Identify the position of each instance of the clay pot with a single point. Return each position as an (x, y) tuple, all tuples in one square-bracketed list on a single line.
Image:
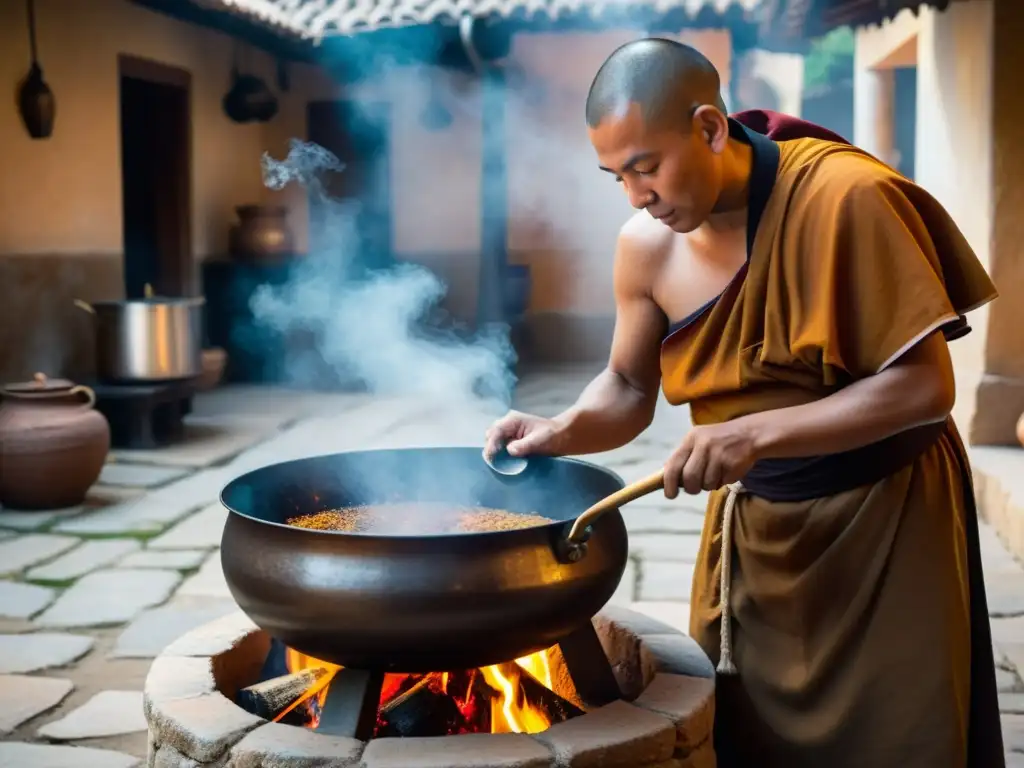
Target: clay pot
[(52, 444), (214, 361), (1020, 429), (262, 233)]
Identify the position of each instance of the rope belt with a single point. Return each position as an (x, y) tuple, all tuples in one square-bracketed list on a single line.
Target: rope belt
[(725, 662)]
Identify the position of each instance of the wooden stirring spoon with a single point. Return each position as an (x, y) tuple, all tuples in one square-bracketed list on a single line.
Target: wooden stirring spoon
[(631, 492)]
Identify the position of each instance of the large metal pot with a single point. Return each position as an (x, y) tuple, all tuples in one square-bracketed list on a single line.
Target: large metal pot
[(420, 603), (148, 340)]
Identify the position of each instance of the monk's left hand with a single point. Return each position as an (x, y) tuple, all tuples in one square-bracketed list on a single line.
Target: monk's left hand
[(709, 457)]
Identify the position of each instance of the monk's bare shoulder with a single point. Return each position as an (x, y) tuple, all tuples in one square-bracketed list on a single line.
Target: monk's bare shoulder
[(645, 241)]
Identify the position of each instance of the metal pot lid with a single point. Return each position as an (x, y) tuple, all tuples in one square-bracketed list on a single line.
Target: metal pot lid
[(40, 384)]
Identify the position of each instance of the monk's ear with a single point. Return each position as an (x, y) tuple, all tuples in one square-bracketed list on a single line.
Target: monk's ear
[(713, 127)]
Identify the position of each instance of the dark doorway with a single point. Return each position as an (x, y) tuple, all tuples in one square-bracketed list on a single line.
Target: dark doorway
[(359, 136), (156, 177), (905, 119)]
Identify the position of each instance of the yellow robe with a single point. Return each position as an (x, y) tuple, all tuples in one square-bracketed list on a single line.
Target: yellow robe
[(859, 623)]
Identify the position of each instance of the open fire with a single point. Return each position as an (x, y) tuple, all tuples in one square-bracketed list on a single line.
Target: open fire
[(514, 697)]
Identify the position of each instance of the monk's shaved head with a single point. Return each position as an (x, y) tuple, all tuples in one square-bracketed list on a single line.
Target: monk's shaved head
[(666, 79)]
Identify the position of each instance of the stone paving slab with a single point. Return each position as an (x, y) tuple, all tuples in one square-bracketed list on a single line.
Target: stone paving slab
[(84, 558), (665, 546), (201, 530), (170, 559), (153, 630), (20, 601), (155, 510), (662, 580), (110, 596), (208, 441), (23, 551), (33, 520), (140, 475), (208, 581), (20, 654), (23, 697), (20, 755), (108, 713), (642, 519), (625, 593), (675, 614)]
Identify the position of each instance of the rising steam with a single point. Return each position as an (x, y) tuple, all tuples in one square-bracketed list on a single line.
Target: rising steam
[(373, 326)]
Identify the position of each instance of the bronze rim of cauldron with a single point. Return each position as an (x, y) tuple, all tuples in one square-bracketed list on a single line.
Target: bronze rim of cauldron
[(419, 603)]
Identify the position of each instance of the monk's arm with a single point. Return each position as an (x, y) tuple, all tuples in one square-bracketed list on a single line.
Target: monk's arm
[(619, 403), (916, 389)]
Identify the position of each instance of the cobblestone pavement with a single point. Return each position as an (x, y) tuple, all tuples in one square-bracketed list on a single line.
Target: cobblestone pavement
[(89, 596)]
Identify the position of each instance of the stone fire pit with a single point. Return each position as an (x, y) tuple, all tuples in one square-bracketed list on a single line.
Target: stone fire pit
[(665, 720)]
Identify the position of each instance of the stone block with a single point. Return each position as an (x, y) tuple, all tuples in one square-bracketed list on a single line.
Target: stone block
[(676, 654), (216, 637), (167, 756), (508, 750), (689, 702), (202, 728), (285, 746), (618, 735), (177, 677), (236, 647)]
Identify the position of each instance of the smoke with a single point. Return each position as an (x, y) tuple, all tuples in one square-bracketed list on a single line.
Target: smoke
[(385, 327), (375, 326)]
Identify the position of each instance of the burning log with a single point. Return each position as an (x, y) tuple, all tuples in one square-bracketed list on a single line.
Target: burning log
[(555, 708), (427, 709), (268, 699)]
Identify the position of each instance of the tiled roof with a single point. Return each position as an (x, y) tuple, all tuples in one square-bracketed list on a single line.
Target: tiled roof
[(320, 18), (798, 19)]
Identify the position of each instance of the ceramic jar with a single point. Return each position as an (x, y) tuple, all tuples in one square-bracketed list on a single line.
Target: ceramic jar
[(52, 444), (262, 233)]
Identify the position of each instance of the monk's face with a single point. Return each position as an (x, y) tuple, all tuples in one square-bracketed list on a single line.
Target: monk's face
[(672, 172)]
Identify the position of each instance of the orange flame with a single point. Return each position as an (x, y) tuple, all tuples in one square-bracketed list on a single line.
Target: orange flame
[(511, 709)]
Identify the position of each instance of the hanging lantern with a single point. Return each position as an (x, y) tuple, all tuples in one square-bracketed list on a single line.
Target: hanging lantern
[(36, 102)]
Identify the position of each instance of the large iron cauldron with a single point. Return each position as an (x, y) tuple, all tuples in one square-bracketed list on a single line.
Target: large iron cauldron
[(419, 603)]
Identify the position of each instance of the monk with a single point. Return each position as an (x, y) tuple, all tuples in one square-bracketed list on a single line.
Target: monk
[(798, 295)]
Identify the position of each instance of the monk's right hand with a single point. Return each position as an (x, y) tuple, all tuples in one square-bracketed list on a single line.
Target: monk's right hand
[(522, 435)]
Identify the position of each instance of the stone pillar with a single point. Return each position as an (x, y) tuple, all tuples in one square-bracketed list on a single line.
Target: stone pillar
[(1001, 393), (969, 155), (954, 161), (874, 92)]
